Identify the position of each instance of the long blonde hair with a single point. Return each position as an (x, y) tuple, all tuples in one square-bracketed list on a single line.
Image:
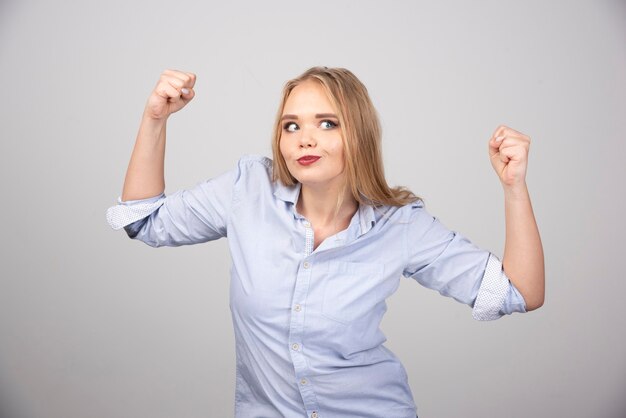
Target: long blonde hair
[(361, 135)]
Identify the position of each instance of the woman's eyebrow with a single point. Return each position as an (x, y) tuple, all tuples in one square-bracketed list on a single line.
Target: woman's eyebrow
[(317, 116)]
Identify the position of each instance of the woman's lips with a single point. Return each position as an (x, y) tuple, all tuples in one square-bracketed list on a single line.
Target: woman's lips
[(308, 159)]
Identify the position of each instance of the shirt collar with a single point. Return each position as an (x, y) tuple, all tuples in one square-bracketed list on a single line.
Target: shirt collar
[(367, 218), (287, 193)]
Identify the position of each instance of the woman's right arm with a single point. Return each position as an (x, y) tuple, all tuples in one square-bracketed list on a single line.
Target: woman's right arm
[(191, 216), (144, 176)]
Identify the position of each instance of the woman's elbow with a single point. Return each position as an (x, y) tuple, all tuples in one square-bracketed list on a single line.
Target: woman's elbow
[(534, 302)]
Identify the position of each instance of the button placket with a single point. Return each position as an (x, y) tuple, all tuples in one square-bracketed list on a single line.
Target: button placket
[(308, 238), (296, 324)]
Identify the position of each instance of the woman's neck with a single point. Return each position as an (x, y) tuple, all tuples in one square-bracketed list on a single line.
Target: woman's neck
[(319, 205)]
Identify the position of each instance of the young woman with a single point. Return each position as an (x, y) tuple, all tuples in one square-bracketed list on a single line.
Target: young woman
[(318, 241)]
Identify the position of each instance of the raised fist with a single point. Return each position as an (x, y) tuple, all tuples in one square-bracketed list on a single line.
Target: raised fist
[(172, 92)]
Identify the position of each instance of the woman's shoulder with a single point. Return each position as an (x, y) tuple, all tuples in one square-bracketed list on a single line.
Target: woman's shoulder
[(254, 175), (253, 161), (251, 167), (405, 211), (391, 216)]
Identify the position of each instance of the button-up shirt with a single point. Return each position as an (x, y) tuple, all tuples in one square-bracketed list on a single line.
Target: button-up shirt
[(306, 321)]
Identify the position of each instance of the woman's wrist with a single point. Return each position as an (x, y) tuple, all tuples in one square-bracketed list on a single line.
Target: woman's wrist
[(152, 129), (517, 192)]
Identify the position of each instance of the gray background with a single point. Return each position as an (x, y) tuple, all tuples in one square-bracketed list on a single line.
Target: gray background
[(93, 324)]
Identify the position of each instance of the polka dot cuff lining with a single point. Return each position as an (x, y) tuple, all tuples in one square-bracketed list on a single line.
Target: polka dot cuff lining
[(492, 293), (125, 213)]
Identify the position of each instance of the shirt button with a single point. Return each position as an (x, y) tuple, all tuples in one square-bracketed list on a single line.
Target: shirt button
[(303, 381), (307, 224), (297, 308), (306, 265), (314, 414), (295, 346)]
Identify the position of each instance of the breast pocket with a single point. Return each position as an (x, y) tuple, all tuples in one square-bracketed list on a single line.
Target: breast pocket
[(353, 290)]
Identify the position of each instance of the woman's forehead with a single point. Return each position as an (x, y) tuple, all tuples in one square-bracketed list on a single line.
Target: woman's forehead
[(308, 97)]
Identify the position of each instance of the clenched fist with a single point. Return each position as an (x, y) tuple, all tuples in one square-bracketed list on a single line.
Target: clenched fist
[(172, 92), (508, 150)]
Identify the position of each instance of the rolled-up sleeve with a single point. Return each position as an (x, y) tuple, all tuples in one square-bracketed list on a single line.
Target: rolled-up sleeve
[(497, 296), (446, 261), (189, 216)]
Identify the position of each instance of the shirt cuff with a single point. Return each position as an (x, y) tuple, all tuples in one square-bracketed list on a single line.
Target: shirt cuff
[(495, 289), (129, 211)]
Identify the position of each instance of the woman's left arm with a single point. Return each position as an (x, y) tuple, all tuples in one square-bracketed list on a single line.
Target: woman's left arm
[(523, 253)]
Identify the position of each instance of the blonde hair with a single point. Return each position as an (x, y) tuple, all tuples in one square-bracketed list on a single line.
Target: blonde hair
[(361, 135)]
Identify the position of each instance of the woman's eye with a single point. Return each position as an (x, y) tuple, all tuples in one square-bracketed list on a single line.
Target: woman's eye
[(328, 124), (290, 127)]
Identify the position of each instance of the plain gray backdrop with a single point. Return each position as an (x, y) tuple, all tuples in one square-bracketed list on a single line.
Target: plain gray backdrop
[(95, 325)]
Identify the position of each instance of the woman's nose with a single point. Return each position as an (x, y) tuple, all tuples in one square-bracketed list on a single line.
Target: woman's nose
[(307, 137)]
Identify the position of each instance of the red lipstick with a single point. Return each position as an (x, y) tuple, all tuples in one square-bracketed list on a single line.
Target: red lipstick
[(308, 159)]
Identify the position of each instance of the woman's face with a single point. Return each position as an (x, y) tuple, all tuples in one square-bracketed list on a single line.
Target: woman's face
[(310, 140)]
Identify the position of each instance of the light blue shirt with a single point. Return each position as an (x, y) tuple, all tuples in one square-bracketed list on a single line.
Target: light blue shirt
[(306, 322)]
